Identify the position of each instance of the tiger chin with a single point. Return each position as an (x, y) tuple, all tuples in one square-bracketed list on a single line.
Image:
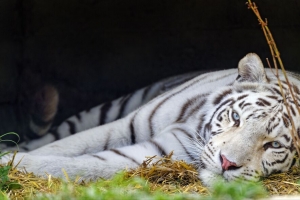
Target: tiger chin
[(230, 124)]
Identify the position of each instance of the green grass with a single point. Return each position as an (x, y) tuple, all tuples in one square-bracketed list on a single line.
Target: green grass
[(238, 190), (135, 188), (117, 188)]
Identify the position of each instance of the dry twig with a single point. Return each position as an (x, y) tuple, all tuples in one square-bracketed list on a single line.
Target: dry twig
[(276, 59)]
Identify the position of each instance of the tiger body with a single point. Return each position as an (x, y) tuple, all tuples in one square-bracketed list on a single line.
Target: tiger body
[(46, 101), (231, 123)]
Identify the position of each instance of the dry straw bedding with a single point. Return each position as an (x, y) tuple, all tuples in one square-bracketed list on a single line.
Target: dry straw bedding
[(167, 175)]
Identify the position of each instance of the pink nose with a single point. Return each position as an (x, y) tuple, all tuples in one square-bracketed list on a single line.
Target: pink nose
[(226, 163)]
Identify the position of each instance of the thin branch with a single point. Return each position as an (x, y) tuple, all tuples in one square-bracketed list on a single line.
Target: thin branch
[(277, 60)]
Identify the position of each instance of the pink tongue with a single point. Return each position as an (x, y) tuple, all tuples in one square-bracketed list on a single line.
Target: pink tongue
[(226, 163)]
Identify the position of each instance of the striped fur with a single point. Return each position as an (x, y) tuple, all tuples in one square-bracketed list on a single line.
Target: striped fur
[(228, 123), (45, 104)]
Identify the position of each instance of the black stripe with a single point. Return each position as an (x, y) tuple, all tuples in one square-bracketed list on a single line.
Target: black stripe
[(296, 89), (264, 101), (285, 122), (187, 106), (105, 147), (250, 115), (280, 152), (230, 101), (165, 100), (145, 92), (159, 147), (276, 124), (153, 113), (247, 174), (265, 169), (269, 90), (241, 104), (208, 156), (293, 111), (78, 116), (132, 131), (221, 96), (287, 138), (184, 108), (71, 127), (186, 151), (282, 85), (55, 134), (246, 104), (287, 116), (183, 131), (292, 147), (280, 161), (195, 109), (123, 104), (242, 97), (219, 117), (213, 133), (208, 161), (209, 149), (236, 177), (260, 104), (199, 127), (272, 97), (99, 157), (103, 112), (121, 154), (277, 91)]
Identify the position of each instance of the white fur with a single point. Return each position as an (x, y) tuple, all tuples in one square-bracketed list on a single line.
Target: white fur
[(82, 154)]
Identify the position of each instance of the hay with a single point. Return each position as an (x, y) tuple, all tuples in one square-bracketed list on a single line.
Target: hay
[(31, 184), (164, 174), (284, 183), (169, 175)]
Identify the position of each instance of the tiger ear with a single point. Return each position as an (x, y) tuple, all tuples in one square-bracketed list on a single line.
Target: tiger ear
[(251, 69)]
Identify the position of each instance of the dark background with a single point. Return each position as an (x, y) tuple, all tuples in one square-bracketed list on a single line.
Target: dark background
[(96, 50)]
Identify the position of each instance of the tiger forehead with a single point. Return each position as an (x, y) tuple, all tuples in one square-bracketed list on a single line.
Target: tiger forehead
[(245, 98), (242, 90)]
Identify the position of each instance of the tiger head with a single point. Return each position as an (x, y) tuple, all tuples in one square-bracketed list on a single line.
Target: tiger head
[(248, 127)]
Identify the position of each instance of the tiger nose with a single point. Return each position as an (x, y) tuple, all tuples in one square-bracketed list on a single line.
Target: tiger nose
[(226, 163)]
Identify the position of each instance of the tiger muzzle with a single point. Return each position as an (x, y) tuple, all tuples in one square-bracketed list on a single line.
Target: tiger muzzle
[(228, 165)]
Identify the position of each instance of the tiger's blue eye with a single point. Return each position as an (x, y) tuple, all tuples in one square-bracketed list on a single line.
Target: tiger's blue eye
[(275, 144), (235, 116)]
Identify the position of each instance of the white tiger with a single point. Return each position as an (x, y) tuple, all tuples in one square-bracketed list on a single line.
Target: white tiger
[(230, 124)]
